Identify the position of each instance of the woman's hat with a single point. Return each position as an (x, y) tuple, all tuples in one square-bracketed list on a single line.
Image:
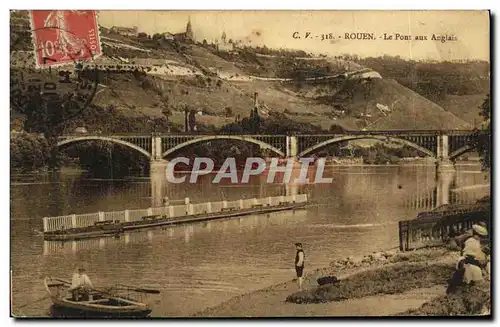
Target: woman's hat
[(482, 223), (298, 244), (480, 230)]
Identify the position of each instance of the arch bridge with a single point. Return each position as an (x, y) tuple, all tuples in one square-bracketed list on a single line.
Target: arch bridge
[(445, 146)]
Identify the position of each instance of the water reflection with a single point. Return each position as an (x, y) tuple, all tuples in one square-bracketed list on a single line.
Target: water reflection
[(203, 264), (188, 232), (58, 195)]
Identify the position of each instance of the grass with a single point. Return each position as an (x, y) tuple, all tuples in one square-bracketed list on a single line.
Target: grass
[(419, 256), (388, 280), (469, 300)]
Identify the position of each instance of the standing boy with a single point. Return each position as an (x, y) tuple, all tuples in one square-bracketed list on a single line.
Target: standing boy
[(299, 263)]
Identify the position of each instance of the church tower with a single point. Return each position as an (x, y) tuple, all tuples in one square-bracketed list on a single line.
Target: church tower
[(189, 30)]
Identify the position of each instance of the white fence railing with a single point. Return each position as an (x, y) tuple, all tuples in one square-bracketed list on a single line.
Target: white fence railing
[(51, 224)]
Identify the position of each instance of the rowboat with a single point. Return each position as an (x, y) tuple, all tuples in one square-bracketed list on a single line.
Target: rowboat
[(100, 303)]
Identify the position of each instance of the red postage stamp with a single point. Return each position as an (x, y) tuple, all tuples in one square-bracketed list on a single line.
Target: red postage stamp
[(64, 36)]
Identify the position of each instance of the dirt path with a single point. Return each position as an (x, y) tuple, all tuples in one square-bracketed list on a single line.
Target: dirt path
[(270, 302)]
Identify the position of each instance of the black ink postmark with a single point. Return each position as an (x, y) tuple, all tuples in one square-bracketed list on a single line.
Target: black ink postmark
[(55, 94)]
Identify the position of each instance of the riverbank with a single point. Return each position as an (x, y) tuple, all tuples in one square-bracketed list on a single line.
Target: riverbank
[(380, 284)]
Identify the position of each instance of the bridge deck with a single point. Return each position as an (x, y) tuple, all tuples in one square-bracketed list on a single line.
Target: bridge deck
[(350, 132)]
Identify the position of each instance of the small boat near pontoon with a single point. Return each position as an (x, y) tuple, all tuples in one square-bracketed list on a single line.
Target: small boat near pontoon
[(100, 304)]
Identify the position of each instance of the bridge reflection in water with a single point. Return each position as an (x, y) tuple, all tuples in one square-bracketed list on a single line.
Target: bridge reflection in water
[(186, 232), (447, 190), (426, 194)]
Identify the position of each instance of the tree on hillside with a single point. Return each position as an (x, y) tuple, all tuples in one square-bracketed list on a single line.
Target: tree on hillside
[(228, 112), (255, 120), (192, 120), (482, 140), (232, 128), (166, 112), (486, 127), (48, 115), (336, 129)]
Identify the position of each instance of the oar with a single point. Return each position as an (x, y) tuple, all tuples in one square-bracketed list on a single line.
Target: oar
[(127, 287), (62, 280), (140, 289), (56, 284)]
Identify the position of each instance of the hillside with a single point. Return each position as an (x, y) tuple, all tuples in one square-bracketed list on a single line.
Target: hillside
[(144, 77), (459, 87), (465, 107), (406, 109)]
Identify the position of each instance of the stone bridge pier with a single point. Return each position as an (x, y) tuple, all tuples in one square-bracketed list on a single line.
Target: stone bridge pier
[(158, 164), (292, 148), (157, 172), (443, 163), (444, 182)]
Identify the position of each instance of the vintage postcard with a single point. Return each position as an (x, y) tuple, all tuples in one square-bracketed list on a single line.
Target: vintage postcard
[(249, 163)]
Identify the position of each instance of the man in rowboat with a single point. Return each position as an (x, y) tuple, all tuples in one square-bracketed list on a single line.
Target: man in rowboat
[(80, 285)]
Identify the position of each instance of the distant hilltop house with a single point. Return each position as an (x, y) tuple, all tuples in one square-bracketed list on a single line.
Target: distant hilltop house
[(224, 45), (127, 31)]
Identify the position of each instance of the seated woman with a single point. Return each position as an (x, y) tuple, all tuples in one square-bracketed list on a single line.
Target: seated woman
[(473, 260)]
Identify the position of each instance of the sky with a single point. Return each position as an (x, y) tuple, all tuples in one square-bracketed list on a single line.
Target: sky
[(275, 29)]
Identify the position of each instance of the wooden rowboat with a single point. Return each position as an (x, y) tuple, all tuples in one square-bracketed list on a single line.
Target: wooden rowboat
[(100, 303)]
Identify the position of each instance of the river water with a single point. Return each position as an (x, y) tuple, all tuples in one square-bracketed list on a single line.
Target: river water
[(203, 264)]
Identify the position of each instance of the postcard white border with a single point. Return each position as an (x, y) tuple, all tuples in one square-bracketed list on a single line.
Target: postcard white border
[(217, 4)]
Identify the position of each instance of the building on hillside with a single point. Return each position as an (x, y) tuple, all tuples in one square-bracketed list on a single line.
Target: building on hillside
[(186, 36), (224, 45), (238, 44), (127, 31), (168, 36)]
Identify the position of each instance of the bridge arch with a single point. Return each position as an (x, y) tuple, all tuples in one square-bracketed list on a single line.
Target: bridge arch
[(249, 139), (104, 138), (360, 137), (458, 152)]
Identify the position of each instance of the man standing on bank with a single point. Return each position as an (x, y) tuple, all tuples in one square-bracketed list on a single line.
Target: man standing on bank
[(299, 263)]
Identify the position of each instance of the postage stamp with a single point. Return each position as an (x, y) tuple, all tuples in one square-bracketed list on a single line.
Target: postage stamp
[(64, 36), (250, 164)]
